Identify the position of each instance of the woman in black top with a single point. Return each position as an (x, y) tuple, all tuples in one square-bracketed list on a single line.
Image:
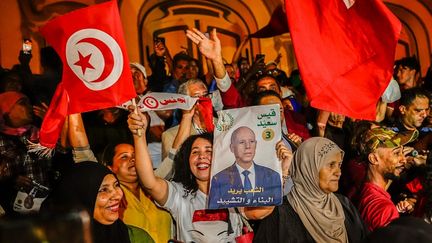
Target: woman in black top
[(312, 212)]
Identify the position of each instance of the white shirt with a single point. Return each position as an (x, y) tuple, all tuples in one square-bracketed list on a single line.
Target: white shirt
[(182, 210)]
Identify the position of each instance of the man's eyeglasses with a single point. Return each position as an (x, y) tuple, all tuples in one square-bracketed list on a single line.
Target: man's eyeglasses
[(206, 95)]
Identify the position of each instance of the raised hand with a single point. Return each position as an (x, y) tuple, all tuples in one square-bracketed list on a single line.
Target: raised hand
[(284, 155), (295, 138), (277, 60), (190, 113), (209, 47), (137, 122), (160, 49)]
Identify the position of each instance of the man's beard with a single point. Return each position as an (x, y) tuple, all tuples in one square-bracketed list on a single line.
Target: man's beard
[(183, 78), (393, 177)]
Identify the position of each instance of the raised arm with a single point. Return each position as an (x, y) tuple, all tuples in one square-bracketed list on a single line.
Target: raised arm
[(209, 76), (162, 51), (156, 187), (77, 133), (165, 169), (78, 139), (210, 48), (157, 64), (322, 119), (381, 109), (237, 53), (285, 156), (184, 128)]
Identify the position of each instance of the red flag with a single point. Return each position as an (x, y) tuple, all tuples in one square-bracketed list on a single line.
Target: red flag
[(90, 43), (276, 26), (345, 53), (54, 118), (96, 71), (205, 108)]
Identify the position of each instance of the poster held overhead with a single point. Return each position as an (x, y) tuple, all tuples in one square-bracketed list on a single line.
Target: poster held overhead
[(245, 169)]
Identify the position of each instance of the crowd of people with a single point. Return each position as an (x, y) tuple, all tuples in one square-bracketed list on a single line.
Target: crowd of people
[(145, 177)]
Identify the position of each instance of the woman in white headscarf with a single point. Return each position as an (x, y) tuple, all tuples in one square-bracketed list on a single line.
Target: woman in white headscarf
[(312, 212)]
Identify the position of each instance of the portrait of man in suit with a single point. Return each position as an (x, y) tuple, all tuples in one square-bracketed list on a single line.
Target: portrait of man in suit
[(245, 182)]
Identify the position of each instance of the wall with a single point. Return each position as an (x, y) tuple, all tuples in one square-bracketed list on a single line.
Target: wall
[(416, 36), (10, 34), (22, 18)]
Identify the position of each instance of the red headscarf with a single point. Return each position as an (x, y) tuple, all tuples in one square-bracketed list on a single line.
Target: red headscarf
[(7, 101)]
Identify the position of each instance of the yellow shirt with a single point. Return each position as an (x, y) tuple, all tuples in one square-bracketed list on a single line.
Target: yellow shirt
[(143, 213)]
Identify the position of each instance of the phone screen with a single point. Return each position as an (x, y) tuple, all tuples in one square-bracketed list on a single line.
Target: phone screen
[(27, 46)]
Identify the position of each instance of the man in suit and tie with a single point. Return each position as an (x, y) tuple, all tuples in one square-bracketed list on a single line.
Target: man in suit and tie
[(245, 183)]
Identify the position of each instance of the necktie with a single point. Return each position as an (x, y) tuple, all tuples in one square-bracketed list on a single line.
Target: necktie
[(247, 185)]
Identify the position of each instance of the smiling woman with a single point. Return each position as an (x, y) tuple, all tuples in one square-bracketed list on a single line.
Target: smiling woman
[(137, 209), (185, 197), (107, 204), (94, 187)]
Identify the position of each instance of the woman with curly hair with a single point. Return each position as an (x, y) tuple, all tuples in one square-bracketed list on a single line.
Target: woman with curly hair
[(185, 197)]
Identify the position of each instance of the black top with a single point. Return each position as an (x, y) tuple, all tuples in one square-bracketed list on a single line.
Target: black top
[(79, 187), (284, 225), (403, 229)]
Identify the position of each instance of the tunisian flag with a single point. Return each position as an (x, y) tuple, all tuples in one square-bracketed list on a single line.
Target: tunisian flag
[(96, 70), (345, 52)]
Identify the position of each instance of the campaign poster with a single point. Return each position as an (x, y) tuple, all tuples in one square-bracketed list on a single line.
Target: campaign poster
[(245, 169)]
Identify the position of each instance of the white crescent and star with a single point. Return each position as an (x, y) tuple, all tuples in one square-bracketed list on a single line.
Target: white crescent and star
[(95, 58), (349, 3)]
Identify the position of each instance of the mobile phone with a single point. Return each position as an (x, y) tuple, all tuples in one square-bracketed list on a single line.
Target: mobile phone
[(159, 39), (260, 56), (27, 46)]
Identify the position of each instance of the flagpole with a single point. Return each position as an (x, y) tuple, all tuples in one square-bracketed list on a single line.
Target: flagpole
[(136, 112)]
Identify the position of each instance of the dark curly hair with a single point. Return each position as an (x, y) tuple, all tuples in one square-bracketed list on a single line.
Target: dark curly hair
[(182, 171)]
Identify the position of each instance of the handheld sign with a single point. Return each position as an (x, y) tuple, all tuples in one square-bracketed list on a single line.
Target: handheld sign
[(245, 169)]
